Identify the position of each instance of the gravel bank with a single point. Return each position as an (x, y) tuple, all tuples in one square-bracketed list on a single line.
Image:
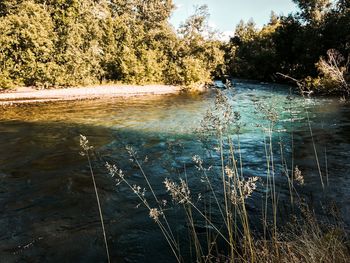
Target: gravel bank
[(31, 95)]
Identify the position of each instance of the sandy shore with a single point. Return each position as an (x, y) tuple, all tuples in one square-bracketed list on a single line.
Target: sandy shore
[(31, 95)]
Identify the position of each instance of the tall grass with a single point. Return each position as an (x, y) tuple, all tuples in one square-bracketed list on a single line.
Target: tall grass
[(84, 144), (230, 235)]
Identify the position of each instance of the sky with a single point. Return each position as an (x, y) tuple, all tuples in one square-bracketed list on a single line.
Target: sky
[(226, 14)]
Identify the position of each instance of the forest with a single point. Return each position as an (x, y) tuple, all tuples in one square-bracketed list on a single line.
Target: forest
[(67, 43), (54, 43)]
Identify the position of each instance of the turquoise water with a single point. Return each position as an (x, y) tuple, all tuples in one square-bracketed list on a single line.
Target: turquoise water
[(47, 200)]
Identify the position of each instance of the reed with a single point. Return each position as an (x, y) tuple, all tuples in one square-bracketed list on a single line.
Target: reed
[(84, 144), (222, 208)]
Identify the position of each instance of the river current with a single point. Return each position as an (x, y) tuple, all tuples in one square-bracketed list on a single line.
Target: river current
[(47, 201)]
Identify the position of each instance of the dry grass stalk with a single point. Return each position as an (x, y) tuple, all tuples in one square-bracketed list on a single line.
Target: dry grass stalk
[(303, 242), (84, 144)]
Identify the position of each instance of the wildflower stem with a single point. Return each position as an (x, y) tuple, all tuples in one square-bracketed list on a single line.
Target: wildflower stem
[(154, 195), (172, 243), (99, 206), (314, 147)]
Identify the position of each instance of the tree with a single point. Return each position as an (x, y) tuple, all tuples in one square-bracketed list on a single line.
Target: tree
[(200, 53), (313, 10), (253, 51), (27, 44), (153, 12), (334, 72), (81, 42), (294, 45)]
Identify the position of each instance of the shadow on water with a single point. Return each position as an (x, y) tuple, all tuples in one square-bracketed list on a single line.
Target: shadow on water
[(49, 210), (48, 205)]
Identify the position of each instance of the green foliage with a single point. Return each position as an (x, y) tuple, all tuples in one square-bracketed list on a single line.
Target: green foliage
[(80, 42), (194, 71), (313, 10), (5, 80), (27, 44), (200, 54), (292, 44), (334, 74), (253, 51)]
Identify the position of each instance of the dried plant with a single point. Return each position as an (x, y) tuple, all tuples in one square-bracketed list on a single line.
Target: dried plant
[(84, 144), (298, 177), (220, 117), (180, 193), (336, 69), (230, 198)]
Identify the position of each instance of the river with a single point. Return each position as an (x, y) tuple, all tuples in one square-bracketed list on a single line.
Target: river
[(47, 200)]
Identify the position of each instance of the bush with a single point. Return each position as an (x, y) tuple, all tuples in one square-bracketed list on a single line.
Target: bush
[(27, 44), (333, 75), (5, 80), (86, 42)]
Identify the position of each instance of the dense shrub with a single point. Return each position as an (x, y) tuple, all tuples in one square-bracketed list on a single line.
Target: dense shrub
[(66, 43), (294, 45)]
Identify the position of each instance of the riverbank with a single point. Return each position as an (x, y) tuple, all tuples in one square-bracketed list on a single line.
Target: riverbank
[(32, 95)]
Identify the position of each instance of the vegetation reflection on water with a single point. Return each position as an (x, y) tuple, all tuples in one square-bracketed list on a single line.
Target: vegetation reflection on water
[(46, 194)]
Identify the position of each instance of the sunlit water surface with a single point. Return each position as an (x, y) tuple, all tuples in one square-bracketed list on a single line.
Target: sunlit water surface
[(47, 201)]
